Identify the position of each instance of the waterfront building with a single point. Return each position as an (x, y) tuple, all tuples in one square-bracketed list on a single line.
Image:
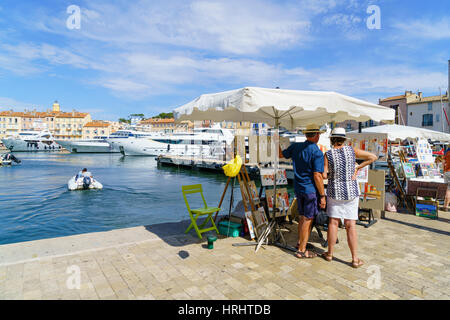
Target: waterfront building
[(97, 128), (116, 125), (412, 109), (157, 124), (10, 123), (203, 123), (400, 105), (428, 113), (62, 125), (184, 126)]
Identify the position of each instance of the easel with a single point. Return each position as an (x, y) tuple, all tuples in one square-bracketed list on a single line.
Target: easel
[(274, 227), (371, 219), (401, 190), (244, 179)]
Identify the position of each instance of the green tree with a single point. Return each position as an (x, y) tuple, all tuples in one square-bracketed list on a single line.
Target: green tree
[(164, 115)]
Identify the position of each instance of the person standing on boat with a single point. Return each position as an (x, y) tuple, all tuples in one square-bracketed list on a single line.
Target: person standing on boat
[(343, 191), (308, 165)]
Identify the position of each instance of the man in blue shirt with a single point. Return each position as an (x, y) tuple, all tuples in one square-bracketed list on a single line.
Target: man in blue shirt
[(308, 165)]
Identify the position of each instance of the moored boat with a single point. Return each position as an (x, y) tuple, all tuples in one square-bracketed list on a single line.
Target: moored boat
[(96, 145), (31, 141)]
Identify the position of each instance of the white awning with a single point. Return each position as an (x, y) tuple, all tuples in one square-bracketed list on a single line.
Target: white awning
[(398, 132), (287, 108)]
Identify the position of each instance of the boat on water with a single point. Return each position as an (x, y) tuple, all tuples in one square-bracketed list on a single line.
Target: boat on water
[(8, 159), (104, 144), (31, 141), (95, 145), (202, 142), (83, 183), (117, 139)]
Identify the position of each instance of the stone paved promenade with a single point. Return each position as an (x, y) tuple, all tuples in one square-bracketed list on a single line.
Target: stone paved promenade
[(160, 262)]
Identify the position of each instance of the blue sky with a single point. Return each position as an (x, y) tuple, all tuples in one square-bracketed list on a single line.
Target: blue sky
[(153, 56)]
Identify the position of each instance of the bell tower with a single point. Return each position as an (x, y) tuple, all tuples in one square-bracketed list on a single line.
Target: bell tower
[(56, 106)]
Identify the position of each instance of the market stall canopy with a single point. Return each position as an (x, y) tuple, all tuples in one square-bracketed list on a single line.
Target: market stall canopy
[(397, 132), (279, 107)]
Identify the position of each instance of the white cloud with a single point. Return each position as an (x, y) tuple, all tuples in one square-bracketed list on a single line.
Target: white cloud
[(7, 103), (365, 79), (149, 49), (438, 29), (29, 58), (236, 27)]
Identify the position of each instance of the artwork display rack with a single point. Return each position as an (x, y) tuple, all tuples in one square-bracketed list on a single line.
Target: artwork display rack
[(402, 193)]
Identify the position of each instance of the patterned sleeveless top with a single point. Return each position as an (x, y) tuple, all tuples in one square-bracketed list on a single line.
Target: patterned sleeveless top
[(341, 168)]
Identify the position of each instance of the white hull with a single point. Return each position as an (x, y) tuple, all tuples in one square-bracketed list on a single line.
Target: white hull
[(18, 145), (117, 139), (5, 162), (78, 185), (80, 146), (149, 147), (142, 147)]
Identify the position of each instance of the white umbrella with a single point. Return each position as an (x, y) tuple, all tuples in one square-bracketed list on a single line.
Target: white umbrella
[(398, 132), (279, 107)]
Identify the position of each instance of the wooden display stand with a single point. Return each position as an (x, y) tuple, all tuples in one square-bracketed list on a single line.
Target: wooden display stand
[(371, 201), (426, 208), (399, 186), (258, 220), (274, 229)]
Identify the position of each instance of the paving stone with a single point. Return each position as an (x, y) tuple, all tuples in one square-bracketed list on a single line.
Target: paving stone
[(412, 261)]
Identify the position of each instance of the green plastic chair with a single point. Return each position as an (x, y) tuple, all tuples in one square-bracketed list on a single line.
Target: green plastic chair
[(196, 213)]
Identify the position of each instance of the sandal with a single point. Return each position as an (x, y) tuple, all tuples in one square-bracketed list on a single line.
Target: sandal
[(357, 264), (308, 245), (327, 256), (302, 255)]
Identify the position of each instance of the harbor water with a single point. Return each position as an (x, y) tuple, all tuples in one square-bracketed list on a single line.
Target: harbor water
[(35, 202)]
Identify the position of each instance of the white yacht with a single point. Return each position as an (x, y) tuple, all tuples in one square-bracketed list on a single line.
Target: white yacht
[(95, 145), (202, 142), (118, 138), (31, 141)]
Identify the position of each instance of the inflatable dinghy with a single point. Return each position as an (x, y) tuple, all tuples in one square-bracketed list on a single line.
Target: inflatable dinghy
[(83, 183), (8, 159)]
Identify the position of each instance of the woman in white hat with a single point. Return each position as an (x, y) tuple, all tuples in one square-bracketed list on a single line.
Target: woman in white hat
[(343, 191)]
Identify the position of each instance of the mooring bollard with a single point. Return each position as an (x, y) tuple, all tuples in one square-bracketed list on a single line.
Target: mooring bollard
[(211, 240)]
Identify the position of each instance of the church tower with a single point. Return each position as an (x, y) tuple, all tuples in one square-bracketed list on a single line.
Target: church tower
[(56, 106)]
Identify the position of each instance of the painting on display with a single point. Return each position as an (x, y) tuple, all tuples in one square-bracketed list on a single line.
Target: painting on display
[(369, 191), (251, 229), (426, 210), (374, 143), (363, 175), (282, 202), (260, 220), (253, 191), (424, 152), (429, 170), (244, 192), (408, 170), (267, 177)]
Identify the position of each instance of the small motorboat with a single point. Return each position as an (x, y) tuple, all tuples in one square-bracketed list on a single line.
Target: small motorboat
[(83, 183), (8, 159)]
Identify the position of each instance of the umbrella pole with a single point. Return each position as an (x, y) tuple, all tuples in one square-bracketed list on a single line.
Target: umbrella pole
[(275, 198)]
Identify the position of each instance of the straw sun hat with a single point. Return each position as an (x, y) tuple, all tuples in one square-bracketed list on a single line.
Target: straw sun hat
[(313, 128)]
